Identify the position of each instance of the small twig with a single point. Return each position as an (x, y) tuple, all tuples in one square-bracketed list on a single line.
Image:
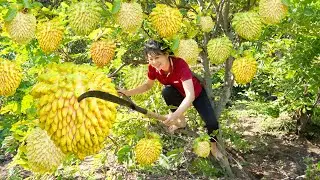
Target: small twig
[(104, 5), (114, 142), (210, 4), (117, 70), (65, 53)]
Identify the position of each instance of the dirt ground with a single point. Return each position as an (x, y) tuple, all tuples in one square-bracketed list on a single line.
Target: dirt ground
[(275, 155)]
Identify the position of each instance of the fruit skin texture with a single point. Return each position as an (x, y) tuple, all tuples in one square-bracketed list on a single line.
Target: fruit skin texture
[(272, 11), (202, 148), (206, 23), (10, 77), (130, 17), (77, 128), (166, 20), (188, 50), (244, 69), (84, 17), (148, 151), (219, 49), (248, 25), (22, 28), (49, 35), (102, 52), (42, 154)]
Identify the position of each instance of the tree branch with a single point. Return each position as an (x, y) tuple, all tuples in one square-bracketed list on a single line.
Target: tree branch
[(117, 70)]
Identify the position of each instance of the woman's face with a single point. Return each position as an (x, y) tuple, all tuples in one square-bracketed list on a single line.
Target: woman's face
[(159, 61)]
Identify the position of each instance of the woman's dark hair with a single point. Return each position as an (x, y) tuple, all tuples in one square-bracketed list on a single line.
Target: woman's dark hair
[(154, 47)]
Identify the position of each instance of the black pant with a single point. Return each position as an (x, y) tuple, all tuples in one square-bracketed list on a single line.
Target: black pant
[(202, 104)]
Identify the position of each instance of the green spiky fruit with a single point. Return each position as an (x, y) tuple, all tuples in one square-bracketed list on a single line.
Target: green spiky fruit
[(244, 69), (42, 154), (188, 50), (102, 52), (202, 149), (219, 49), (206, 23), (130, 17), (50, 35), (76, 127), (10, 77), (166, 20), (272, 11), (148, 150), (248, 25), (84, 17), (22, 28)]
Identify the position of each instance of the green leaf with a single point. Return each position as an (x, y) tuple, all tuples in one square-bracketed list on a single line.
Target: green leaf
[(116, 6), (26, 4), (11, 107), (175, 44), (285, 2), (123, 153), (308, 11), (36, 4), (12, 12), (26, 103)]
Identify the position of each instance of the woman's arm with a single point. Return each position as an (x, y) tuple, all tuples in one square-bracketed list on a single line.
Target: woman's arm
[(187, 101), (138, 90)]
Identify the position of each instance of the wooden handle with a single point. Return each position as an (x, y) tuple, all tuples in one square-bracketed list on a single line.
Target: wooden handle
[(156, 115)]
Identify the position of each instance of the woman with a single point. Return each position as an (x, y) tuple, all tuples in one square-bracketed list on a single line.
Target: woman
[(181, 90)]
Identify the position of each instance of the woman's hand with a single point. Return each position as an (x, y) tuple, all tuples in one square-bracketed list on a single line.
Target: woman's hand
[(170, 119), (122, 92)]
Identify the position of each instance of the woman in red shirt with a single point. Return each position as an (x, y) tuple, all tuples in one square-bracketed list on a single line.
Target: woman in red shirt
[(182, 89)]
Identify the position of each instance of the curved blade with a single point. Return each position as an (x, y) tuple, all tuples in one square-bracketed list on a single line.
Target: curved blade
[(112, 98)]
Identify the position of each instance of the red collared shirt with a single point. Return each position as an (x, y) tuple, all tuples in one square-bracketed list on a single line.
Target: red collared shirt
[(179, 72)]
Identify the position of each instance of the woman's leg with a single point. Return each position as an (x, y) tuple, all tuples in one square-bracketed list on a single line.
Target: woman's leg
[(173, 97), (204, 108)]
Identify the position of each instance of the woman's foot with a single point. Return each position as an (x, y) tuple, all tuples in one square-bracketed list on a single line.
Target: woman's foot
[(177, 124), (215, 151)]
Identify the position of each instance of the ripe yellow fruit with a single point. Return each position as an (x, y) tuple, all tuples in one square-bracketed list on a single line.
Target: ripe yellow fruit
[(49, 35), (248, 25), (22, 28), (130, 17), (148, 150), (272, 11), (166, 20), (42, 154), (188, 50), (244, 69), (102, 52), (74, 126), (206, 23), (202, 148), (219, 49), (84, 17), (10, 77)]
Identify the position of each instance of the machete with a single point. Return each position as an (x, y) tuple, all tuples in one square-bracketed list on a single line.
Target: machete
[(112, 98)]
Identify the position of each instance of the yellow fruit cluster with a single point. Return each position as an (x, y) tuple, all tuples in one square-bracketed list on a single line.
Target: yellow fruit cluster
[(22, 28), (84, 17), (202, 148), (102, 52), (10, 77), (219, 49), (42, 154), (49, 35), (272, 11), (166, 20), (248, 25), (244, 69), (206, 23), (148, 150), (78, 128), (188, 50), (130, 17)]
